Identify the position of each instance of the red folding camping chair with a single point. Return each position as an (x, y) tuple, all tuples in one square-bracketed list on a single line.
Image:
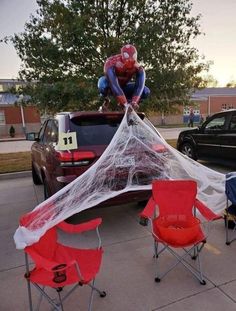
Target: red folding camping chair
[(172, 211), (57, 265)]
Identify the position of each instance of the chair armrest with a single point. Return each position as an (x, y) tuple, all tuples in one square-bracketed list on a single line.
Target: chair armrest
[(206, 212), (149, 209), (86, 226)]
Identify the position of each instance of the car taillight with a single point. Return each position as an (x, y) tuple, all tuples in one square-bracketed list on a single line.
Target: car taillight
[(75, 156), (159, 148)]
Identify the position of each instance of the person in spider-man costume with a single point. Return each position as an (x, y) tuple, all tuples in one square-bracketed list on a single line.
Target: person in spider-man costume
[(119, 70)]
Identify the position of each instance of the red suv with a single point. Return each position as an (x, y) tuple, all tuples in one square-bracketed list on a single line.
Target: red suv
[(54, 167)]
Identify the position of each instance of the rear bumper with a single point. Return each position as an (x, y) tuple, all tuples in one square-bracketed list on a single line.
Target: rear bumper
[(128, 197)]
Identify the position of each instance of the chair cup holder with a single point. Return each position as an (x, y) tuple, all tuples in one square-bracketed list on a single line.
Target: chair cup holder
[(59, 276)]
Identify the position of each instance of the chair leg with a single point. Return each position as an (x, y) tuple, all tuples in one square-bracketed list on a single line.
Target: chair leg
[(227, 229), (28, 282), (228, 239), (49, 299), (94, 288), (202, 281), (182, 260), (59, 298), (91, 295), (29, 295), (100, 292), (158, 279), (155, 249), (40, 300), (195, 253)]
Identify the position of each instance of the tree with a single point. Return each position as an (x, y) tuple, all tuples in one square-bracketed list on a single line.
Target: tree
[(209, 81), (231, 83), (64, 46)]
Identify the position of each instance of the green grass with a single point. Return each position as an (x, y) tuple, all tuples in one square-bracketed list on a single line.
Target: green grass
[(21, 161), (174, 125), (172, 142), (15, 162)]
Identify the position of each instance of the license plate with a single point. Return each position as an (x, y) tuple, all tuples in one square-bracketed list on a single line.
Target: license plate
[(125, 162)]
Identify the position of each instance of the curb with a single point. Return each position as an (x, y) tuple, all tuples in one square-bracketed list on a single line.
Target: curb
[(3, 140), (15, 175)]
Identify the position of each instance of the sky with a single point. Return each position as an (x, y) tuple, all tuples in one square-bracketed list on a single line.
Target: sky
[(218, 22)]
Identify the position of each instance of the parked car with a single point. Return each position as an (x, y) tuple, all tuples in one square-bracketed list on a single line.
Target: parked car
[(214, 139), (54, 167)]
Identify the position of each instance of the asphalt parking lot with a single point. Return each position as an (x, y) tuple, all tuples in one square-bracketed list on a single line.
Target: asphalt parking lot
[(128, 268)]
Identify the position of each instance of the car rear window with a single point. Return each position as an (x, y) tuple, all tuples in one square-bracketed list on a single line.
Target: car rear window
[(95, 130)]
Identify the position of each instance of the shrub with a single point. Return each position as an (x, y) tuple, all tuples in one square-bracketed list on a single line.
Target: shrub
[(12, 131)]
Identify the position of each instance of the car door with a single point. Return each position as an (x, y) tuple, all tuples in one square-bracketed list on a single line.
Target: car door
[(229, 139), (211, 136), (47, 157), (51, 164), (38, 149)]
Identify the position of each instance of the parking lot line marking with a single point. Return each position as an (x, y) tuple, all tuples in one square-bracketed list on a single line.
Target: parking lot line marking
[(212, 249)]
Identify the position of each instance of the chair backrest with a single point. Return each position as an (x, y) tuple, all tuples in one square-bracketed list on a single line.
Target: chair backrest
[(230, 187), (174, 197), (47, 244)]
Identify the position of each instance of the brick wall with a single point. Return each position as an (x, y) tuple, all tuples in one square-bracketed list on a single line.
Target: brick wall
[(216, 104), (13, 117), (206, 107), (170, 119), (19, 131)]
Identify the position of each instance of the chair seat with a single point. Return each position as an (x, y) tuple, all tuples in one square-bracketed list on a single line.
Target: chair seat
[(178, 230), (89, 262)]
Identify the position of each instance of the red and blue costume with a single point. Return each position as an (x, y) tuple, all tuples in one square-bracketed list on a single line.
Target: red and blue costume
[(119, 71)]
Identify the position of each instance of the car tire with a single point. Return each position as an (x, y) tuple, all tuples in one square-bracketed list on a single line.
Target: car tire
[(46, 190), (188, 150), (35, 177)]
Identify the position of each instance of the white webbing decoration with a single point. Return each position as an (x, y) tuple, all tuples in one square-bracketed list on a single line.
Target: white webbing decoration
[(136, 155)]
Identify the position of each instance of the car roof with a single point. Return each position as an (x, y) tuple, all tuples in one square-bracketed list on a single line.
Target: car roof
[(75, 114), (233, 109), (228, 110), (223, 112)]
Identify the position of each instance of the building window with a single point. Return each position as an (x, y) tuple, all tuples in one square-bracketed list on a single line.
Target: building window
[(227, 106), (223, 107), (2, 118)]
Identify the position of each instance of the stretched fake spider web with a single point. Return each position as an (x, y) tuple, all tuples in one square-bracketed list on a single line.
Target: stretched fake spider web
[(136, 155)]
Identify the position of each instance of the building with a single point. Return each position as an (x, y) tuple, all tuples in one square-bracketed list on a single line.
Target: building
[(212, 100), (24, 119), (204, 103), (12, 113)]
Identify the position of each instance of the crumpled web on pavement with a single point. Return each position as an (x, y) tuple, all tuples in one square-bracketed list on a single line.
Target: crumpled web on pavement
[(136, 155)]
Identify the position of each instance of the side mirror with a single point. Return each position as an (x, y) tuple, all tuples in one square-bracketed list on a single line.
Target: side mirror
[(32, 136)]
